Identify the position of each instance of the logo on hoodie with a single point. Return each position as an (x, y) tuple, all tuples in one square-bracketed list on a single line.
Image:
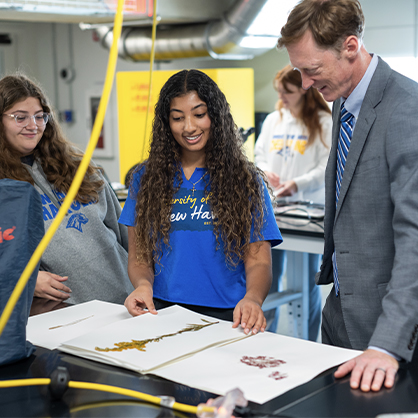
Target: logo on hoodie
[(7, 234), (76, 221)]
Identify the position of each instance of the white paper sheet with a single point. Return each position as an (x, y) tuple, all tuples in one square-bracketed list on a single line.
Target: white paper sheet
[(221, 369), (50, 329), (170, 323), (263, 366)]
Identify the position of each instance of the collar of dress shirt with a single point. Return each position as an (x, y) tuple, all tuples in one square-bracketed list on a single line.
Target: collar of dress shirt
[(355, 99)]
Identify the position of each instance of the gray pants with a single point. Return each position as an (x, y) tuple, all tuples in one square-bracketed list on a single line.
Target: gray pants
[(333, 328)]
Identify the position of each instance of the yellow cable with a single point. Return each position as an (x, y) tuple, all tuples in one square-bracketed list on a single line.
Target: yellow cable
[(113, 389), (110, 403), (104, 404), (108, 388), (151, 71), (133, 394), (72, 192), (24, 382), (78, 178)]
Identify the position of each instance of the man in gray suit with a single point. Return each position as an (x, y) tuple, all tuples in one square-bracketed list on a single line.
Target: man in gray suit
[(371, 212)]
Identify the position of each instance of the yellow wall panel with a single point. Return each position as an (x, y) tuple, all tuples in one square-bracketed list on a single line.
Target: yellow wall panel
[(132, 96)]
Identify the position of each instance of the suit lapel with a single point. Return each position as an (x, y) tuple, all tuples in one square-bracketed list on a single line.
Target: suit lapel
[(364, 123), (330, 173)]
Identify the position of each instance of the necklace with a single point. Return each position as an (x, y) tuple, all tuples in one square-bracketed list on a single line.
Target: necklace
[(193, 188)]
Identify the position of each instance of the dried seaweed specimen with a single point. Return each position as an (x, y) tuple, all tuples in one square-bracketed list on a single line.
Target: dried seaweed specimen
[(72, 323), (262, 362), (141, 344), (277, 375)]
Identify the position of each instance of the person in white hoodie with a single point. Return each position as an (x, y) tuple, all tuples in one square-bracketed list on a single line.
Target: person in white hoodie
[(292, 150), (87, 257)]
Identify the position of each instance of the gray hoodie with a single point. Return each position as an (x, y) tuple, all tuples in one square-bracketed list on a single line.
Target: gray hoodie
[(90, 246)]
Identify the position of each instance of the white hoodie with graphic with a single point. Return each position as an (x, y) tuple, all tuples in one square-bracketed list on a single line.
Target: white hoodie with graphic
[(281, 148)]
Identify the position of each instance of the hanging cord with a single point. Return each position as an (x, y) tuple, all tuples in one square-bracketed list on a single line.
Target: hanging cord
[(151, 71), (72, 192), (78, 178)]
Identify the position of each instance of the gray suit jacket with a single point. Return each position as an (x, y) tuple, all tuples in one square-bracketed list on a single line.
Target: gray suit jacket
[(375, 227)]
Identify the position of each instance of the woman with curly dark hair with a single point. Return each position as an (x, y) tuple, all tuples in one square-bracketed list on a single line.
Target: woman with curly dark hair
[(199, 216), (87, 257)]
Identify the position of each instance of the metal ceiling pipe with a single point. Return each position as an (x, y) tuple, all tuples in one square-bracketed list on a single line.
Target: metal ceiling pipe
[(219, 39)]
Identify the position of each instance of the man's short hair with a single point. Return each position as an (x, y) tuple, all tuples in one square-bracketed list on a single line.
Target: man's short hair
[(330, 22)]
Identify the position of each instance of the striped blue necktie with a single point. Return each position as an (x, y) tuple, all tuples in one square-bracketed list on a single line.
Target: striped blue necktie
[(344, 140)]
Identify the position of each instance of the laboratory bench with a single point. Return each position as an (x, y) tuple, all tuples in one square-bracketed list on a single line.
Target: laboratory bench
[(300, 237), (323, 396)]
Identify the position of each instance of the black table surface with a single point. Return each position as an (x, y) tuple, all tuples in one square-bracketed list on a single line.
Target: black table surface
[(324, 396)]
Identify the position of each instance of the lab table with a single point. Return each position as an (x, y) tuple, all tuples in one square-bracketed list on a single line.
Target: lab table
[(300, 237), (323, 396)]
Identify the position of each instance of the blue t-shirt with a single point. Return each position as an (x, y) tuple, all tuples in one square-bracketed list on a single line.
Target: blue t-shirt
[(192, 271)]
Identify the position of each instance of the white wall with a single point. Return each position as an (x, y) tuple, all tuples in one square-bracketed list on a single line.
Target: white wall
[(42, 49)]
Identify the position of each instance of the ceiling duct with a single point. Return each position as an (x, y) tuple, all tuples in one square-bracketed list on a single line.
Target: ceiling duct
[(219, 39)]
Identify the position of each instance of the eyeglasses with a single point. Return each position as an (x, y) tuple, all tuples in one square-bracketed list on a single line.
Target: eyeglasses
[(40, 119)]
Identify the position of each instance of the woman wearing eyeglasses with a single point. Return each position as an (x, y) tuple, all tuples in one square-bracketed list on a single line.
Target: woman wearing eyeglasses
[(87, 257)]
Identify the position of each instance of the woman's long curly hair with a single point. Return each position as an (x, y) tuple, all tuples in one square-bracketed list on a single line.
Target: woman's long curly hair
[(313, 102), (57, 156), (236, 187)]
